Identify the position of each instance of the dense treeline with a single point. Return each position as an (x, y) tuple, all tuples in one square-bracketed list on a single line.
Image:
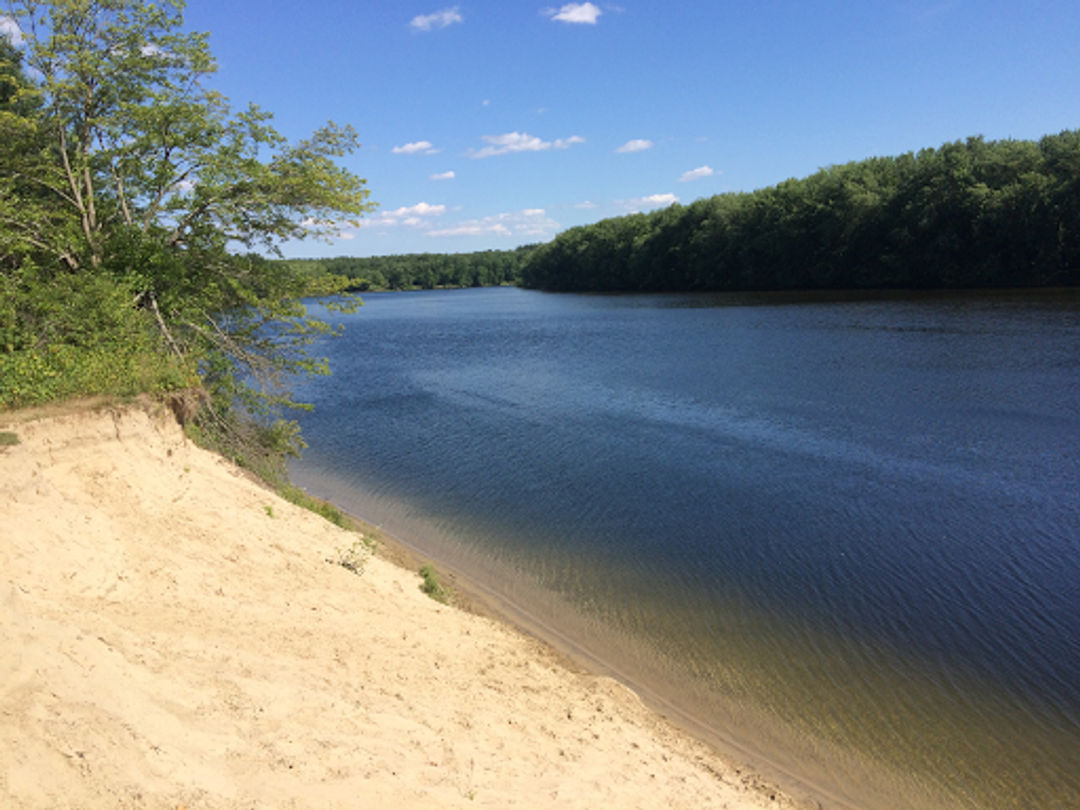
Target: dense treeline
[(485, 268), (969, 214)]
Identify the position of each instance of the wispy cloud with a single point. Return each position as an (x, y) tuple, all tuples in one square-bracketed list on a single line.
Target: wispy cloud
[(440, 19), (636, 145), (520, 142), (416, 148), (586, 205), (421, 209), (410, 216), (580, 13), (652, 201), (10, 29), (697, 174), (531, 223), (442, 176)]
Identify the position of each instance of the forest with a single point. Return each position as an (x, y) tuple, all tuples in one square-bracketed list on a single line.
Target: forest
[(972, 213), (483, 268)]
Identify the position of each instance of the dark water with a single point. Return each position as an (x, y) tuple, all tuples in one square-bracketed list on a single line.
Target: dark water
[(843, 535)]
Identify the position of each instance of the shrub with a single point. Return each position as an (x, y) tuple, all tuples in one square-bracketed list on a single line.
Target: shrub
[(352, 558), (77, 336)]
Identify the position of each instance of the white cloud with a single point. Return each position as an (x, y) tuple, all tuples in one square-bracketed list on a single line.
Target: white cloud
[(442, 176), (421, 209), (411, 216), (510, 142), (652, 201), (587, 205), (697, 174), (529, 223), (474, 227), (636, 145), (417, 147), (440, 19), (566, 143), (581, 13), (344, 235), (10, 29), (520, 142)]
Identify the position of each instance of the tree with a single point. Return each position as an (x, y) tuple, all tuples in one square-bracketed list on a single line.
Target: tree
[(128, 171), (969, 214)]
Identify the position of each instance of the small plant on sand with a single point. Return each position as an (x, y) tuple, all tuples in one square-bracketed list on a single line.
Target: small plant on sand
[(8, 439), (326, 509), (431, 585), (269, 511), (352, 558)]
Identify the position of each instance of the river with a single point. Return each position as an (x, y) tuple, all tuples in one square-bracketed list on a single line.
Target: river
[(838, 534)]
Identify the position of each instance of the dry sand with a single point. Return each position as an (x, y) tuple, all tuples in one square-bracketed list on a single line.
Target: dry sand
[(173, 635)]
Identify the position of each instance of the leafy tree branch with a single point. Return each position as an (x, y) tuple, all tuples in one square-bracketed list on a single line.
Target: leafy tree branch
[(120, 169)]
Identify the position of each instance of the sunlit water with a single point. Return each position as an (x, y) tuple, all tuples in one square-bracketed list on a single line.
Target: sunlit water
[(842, 535)]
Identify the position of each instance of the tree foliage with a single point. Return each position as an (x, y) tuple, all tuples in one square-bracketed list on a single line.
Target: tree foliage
[(132, 199), (483, 268), (969, 214)]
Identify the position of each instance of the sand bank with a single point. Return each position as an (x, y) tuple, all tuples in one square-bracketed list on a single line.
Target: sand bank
[(173, 635)]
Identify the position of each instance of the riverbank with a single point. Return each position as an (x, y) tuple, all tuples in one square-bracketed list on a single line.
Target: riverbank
[(173, 634)]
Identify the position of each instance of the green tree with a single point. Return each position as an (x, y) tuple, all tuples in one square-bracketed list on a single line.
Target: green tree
[(971, 213), (127, 172)]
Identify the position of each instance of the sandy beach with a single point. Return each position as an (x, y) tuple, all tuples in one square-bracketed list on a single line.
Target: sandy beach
[(174, 635)]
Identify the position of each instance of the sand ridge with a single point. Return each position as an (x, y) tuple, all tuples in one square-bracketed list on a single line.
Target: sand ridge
[(172, 634)]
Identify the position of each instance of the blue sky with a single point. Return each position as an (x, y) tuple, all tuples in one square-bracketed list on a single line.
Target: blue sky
[(495, 124)]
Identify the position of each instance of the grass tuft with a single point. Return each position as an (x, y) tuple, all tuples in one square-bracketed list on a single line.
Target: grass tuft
[(431, 585), (325, 509)]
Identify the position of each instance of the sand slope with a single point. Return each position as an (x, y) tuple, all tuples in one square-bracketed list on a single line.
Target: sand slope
[(171, 634)]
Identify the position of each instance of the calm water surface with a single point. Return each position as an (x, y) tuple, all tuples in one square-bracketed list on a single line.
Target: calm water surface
[(843, 536)]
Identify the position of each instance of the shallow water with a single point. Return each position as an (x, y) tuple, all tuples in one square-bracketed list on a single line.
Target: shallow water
[(843, 534)]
